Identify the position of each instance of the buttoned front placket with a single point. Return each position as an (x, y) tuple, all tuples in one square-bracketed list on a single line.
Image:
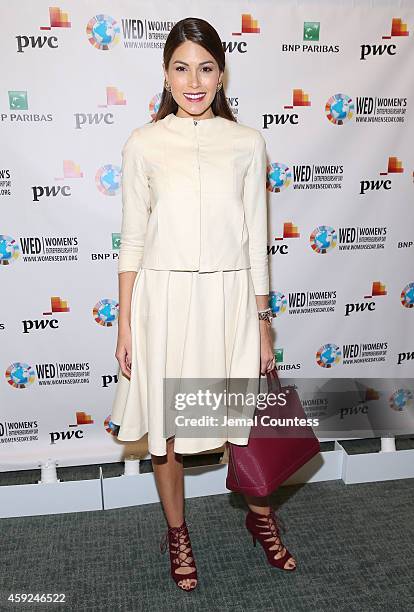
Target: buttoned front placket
[(199, 187)]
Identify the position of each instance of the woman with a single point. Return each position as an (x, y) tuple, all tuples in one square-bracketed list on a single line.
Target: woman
[(193, 271)]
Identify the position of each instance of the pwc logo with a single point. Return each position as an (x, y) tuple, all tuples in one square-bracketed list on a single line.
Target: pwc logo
[(398, 29), (73, 431), (57, 305), (47, 191), (248, 26), (289, 231), (299, 99), (384, 184), (71, 170), (114, 97), (378, 289), (109, 379), (405, 356), (58, 19)]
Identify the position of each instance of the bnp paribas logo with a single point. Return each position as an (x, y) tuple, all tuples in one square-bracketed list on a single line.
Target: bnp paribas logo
[(116, 241), (18, 100), (311, 30)]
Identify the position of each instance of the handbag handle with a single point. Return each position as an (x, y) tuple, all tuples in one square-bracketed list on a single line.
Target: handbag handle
[(273, 381)]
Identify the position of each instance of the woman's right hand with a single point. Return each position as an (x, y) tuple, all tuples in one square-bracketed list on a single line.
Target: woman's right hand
[(124, 350)]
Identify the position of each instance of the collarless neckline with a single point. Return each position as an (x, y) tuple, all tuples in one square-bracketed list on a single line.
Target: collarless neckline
[(174, 117)]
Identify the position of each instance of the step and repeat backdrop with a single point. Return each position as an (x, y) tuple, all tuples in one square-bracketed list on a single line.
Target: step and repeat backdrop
[(331, 88)]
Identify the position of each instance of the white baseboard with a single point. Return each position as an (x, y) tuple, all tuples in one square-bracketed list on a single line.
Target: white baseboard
[(123, 491), (372, 467)]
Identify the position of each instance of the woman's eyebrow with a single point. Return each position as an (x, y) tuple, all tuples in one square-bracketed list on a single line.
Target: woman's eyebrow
[(200, 64)]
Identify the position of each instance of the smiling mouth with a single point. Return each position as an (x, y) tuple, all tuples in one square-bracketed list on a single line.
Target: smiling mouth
[(194, 97)]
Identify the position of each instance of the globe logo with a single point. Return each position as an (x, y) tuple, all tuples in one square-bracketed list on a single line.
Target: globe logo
[(105, 312), (103, 32), (328, 355), (279, 177), (154, 105), (323, 239), (407, 296), (277, 302), (339, 109), (20, 375), (9, 250), (108, 179), (110, 427), (401, 399)]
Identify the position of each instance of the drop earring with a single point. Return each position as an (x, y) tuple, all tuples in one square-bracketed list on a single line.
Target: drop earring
[(167, 86)]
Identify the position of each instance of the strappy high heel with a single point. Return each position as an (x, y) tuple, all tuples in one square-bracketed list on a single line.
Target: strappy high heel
[(265, 528), (181, 555)]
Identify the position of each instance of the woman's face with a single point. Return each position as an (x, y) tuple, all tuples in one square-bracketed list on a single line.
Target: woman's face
[(193, 74)]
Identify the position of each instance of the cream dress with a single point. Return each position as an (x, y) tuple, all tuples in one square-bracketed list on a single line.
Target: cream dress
[(185, 324)]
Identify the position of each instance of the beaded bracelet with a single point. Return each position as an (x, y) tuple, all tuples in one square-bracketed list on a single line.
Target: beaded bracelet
[(266, 315)]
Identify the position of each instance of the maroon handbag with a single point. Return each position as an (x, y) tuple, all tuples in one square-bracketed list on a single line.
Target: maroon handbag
[(258, 468)]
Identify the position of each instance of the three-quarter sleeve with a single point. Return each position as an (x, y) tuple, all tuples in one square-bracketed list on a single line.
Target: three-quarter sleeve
[(255, 207), (135, 206)]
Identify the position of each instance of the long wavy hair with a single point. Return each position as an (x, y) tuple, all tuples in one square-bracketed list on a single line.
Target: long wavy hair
[(201, 32)]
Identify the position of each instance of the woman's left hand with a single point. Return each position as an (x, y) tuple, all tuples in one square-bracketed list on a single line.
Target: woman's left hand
[(267, 358)]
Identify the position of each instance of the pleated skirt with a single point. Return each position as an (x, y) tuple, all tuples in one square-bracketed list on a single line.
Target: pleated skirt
[(185, 324)]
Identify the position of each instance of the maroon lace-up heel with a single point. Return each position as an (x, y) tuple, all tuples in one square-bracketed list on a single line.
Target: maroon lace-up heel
[(265, 528), (181, 555)]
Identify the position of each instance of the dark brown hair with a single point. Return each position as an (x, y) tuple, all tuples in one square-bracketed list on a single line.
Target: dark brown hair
[(201, 32)]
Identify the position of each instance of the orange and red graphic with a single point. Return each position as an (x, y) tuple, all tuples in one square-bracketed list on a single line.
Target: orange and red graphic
[(394, 166), (371, 394), (57, 305), (249, 25), (114, 97), (82, 418), (58, 19), (289, 231), (300, 98), (70, 170), (398, 28), (378, 288)]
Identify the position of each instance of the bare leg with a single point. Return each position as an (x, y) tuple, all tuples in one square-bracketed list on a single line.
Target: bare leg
[(260, 505), (169, 478)]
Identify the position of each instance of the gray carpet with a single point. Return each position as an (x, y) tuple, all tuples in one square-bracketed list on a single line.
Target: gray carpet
[(354, 546)]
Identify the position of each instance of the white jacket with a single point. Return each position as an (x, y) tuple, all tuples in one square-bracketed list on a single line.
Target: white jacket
[(194, 198)]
